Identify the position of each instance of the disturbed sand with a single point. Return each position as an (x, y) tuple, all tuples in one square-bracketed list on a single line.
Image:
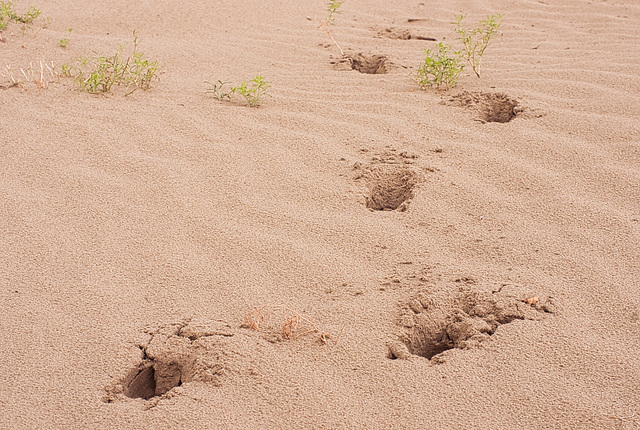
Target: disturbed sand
[(449, 271)]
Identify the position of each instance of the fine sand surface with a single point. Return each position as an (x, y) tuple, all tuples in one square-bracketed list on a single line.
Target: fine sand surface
[(138, 233)]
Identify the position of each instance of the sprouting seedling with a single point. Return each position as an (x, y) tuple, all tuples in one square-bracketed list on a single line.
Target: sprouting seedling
[(476, 40), (28, 17), (64, 42), (253, 90), (332, 8), (6, 14)]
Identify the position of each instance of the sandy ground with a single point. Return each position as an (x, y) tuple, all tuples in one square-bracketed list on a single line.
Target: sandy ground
[(138, 233)]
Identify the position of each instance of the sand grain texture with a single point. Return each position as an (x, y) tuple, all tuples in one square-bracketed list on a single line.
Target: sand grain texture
[(137, 232)]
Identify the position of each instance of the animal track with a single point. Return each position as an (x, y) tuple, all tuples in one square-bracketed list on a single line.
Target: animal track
[(402, 34), (390, 187), (369, 64), (491, 107), (435, 322), (180, 353), (390, 178)]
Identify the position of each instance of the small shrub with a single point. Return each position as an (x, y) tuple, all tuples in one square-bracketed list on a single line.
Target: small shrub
[(99, 74), (477, 39), (440, 69), (253, 91)]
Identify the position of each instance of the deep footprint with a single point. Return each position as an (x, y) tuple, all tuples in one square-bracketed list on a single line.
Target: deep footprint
[(371, 64), (435, 323), (390, 187), (180, 353), (491, 107)]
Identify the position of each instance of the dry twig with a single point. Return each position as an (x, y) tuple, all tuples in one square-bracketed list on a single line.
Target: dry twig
[(41, 78), (293, 324)]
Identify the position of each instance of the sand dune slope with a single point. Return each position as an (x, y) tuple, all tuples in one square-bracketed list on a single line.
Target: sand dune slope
[(498, 288)]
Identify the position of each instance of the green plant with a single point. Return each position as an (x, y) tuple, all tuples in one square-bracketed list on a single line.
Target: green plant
[(8, 14), (64, 42), (440, 69), (476, 40), (100, 74), (28, 17), (332, 8), (252, 90)]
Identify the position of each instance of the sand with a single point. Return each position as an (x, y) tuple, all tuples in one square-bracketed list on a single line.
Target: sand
[(497, 288)]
